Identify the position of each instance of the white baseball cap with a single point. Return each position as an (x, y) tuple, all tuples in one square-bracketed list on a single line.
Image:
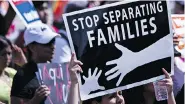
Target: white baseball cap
[(40, 33)]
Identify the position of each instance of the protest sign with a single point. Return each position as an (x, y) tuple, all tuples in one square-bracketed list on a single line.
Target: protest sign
[(178, 21), (56, 77), (26, 11), (121, 45)]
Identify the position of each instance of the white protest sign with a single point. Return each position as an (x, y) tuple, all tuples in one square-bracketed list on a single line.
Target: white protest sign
[(26, 11), (121, 45)]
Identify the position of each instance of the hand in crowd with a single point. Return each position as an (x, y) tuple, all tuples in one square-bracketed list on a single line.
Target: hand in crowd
[(74, 67), (40, 93), (167, 81), (18, 56)]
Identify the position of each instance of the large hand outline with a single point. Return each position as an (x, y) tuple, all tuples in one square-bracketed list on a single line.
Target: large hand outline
[(91, 82), (131, 60), (123, 59)]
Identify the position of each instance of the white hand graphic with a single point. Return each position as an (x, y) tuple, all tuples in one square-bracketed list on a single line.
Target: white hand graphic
[(91, 83), (131, 60), (121, 68)]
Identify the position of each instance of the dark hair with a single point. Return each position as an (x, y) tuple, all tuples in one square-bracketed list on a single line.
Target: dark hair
[(38, 4), (4, 42), (137, 94), (99, 99), (28, 54), (89, 101)]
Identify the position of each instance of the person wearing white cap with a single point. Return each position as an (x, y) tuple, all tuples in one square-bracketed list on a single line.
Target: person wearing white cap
[(40, 43)]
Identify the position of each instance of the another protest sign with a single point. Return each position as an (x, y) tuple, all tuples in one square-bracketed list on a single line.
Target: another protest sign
[(26, 11), (121, 45), (56, 77), (178, 21)]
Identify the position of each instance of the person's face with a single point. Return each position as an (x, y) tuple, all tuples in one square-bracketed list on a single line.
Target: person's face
[(43, 12), (43, 52), (115, 98), (5, 56)]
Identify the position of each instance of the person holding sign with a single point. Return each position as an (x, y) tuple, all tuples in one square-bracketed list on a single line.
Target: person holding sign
[(40, 43), (145, 94), (115, 98), (148, 94), (164, 82)]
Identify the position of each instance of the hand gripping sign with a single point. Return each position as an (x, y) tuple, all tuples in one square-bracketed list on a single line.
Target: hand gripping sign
[(56, 77), (26, 11)]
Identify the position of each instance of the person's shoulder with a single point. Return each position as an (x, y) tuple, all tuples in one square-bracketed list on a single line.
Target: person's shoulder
[(24, 81), (60, 41), (28, 68), (11, 72)]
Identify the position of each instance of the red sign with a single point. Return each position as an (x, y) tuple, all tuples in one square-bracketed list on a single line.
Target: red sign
[(17, 2)]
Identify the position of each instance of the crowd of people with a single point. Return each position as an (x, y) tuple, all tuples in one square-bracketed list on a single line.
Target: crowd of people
[(18, 63)]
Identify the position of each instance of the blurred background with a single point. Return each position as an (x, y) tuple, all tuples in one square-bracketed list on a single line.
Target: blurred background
[(51, 13)]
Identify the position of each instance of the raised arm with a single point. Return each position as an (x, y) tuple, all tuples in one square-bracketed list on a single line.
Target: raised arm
[(74, 67), (169, 84)]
